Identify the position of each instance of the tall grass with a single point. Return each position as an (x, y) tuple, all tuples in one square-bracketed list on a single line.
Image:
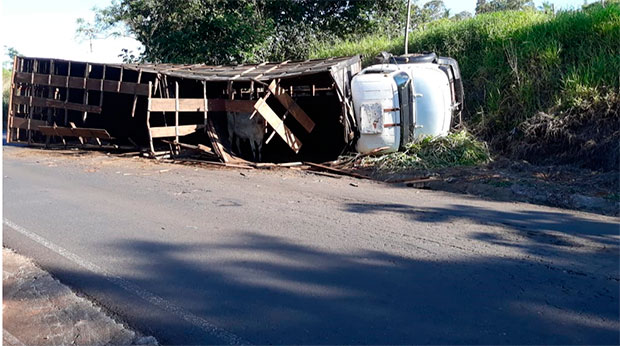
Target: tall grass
[(517, 63)]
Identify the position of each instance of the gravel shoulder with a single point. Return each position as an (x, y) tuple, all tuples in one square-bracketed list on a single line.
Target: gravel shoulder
[(39, 310)]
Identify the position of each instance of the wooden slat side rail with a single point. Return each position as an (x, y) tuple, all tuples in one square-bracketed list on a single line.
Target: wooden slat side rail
[(170, 131), (292, 107), (25, 124), (45, 102), (278, 125), (78, 83), (75, 132), (198, 105)]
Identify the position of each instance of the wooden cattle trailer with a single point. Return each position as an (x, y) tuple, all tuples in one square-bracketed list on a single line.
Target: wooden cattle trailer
[(306, 104)]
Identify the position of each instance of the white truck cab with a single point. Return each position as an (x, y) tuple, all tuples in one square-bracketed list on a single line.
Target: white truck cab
[(396, 103)]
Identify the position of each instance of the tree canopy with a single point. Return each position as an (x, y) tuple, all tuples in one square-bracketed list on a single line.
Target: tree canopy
[(223, 31)]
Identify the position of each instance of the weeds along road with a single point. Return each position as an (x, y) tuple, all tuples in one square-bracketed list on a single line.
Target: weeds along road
[(196, 256)]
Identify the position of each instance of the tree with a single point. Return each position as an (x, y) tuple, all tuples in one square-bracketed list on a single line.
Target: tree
[(11, 53), (433, 10), (223, 31), (481, 6), (503, 5), (547, 7), (462, 15)]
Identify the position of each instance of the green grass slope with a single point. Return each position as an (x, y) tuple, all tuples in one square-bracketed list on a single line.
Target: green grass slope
[(538, 86)]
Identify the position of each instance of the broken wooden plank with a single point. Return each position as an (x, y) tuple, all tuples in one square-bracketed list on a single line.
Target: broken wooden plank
[(205, 149), (336, 170), (277, 124), (291, 106), (218, 148), (412, 180), (170, 131)]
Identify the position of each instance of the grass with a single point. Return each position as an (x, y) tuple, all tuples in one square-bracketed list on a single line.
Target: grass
[(456, 149), (6, 87), (515, 64)]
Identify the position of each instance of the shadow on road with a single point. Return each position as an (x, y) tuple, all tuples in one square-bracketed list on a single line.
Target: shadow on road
[(270, 290)]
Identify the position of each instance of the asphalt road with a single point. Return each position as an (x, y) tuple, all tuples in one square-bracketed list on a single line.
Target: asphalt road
[(196, 256)]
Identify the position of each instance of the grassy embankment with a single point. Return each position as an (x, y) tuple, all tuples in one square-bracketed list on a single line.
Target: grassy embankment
[(538, 86)]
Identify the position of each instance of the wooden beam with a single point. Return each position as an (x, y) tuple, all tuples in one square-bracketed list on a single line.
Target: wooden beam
[(277, 124), (291, 106)]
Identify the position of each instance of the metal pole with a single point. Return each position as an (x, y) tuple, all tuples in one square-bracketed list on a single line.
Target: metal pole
[(407, 27)]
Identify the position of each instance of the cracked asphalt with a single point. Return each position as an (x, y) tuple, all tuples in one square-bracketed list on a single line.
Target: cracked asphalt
[(195, 255)]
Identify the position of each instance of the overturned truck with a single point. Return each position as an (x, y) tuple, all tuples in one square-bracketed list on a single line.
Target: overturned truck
[(277, 112)]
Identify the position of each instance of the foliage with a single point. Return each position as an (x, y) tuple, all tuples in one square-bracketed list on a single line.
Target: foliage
[(456, 149), (503, 5), (10, 53), (223, 31)]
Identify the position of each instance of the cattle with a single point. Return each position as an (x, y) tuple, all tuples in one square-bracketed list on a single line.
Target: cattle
[(245, 127)]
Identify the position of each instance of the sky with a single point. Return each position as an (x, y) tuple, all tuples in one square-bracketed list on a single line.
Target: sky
[(46, 28)]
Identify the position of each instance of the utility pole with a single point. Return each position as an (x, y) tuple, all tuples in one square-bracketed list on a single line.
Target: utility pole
[(407, 27)]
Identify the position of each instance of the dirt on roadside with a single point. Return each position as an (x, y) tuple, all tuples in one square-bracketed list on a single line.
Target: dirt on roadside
[(506, 180), (565, 186)]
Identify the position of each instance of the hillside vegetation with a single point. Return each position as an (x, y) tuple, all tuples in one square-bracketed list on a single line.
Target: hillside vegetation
[(538, 86)]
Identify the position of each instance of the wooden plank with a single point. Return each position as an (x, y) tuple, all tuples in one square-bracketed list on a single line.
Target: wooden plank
[(291, 106), (91, 133), (243, 106), (75, 132), (169, 131), (78, 83), (45, 102), (26, 124), (161, 105), (198, 105), (56, 131), (278, 125)]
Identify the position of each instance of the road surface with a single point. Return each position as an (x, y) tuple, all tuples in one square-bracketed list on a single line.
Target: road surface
[(201, 256)]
